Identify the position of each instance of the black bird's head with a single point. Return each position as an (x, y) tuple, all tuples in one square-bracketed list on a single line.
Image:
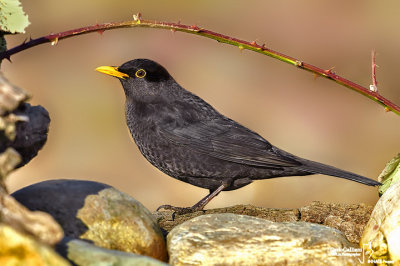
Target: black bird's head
[(143, 80)]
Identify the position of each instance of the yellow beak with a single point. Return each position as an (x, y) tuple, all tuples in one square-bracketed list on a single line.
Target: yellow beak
[(112, 71)]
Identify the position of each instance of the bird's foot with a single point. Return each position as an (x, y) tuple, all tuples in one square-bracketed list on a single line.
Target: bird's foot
[(179, 210)]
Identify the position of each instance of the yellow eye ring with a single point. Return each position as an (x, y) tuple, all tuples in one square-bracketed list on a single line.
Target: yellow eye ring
[(141, 73)]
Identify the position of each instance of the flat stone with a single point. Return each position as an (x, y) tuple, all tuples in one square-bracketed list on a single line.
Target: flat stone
[(168, 220), (20, 249), (230, 239), (348, 218), (83, 253)]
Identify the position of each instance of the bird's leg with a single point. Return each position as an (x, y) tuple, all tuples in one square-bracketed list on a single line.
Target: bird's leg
[(199, 205)]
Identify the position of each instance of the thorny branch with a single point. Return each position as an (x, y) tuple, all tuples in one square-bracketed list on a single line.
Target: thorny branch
[(241, 44)]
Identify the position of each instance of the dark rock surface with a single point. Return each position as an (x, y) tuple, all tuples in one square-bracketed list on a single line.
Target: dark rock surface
[(62, 199)]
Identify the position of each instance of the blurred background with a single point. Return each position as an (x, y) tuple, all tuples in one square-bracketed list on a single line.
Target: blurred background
[(312, 118)]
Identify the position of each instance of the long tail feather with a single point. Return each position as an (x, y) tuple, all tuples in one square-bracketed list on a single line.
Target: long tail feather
[(319, 168)]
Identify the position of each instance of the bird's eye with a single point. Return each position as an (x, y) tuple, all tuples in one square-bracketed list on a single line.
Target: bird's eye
[(141, 73)]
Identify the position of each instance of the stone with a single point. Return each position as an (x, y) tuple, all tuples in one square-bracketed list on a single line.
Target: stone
[(9, 160), (31, 129), (231, 239), (10, 96), (117, 221), (20, 249), (83, 253), (61, 199), (381, 237), (348, 218), (98, 213), (168, 220), (35, 223)]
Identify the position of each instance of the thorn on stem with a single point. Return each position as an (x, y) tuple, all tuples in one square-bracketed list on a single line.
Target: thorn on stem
[(329, 72), (298, 63), (241, 48), (387, 109), (374, 86), (137, 18), (254, 43), (194, 27), (8, 58), (100, 32), (262, 47), (54, 41)]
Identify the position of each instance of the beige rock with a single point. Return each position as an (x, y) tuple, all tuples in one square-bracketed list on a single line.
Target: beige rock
[(9, 159), (381, 237), (20, 249), (10, 95), (348, 218), (117, 221), (167, 222), (83, 253), (229, 239)]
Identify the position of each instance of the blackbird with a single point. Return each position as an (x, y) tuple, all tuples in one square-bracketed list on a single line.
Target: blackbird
[(188, 139)]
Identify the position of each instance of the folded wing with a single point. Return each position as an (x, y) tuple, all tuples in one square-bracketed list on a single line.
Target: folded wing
[(227, 140)]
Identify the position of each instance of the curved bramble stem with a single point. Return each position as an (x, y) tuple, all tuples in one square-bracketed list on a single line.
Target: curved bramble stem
[(241, 44)]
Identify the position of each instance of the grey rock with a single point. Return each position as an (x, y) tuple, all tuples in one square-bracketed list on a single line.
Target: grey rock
[(82, 253), (230, 239)]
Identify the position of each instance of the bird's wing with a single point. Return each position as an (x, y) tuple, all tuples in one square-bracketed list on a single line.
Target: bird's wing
[(226, 140)]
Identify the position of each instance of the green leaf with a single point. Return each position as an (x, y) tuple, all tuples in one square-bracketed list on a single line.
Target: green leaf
[(390, 175), (12, 17)]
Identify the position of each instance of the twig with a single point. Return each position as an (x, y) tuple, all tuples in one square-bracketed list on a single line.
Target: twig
[(241, 44)]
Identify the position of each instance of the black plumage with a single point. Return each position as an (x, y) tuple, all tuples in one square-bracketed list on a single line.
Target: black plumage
[(186, 138)]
